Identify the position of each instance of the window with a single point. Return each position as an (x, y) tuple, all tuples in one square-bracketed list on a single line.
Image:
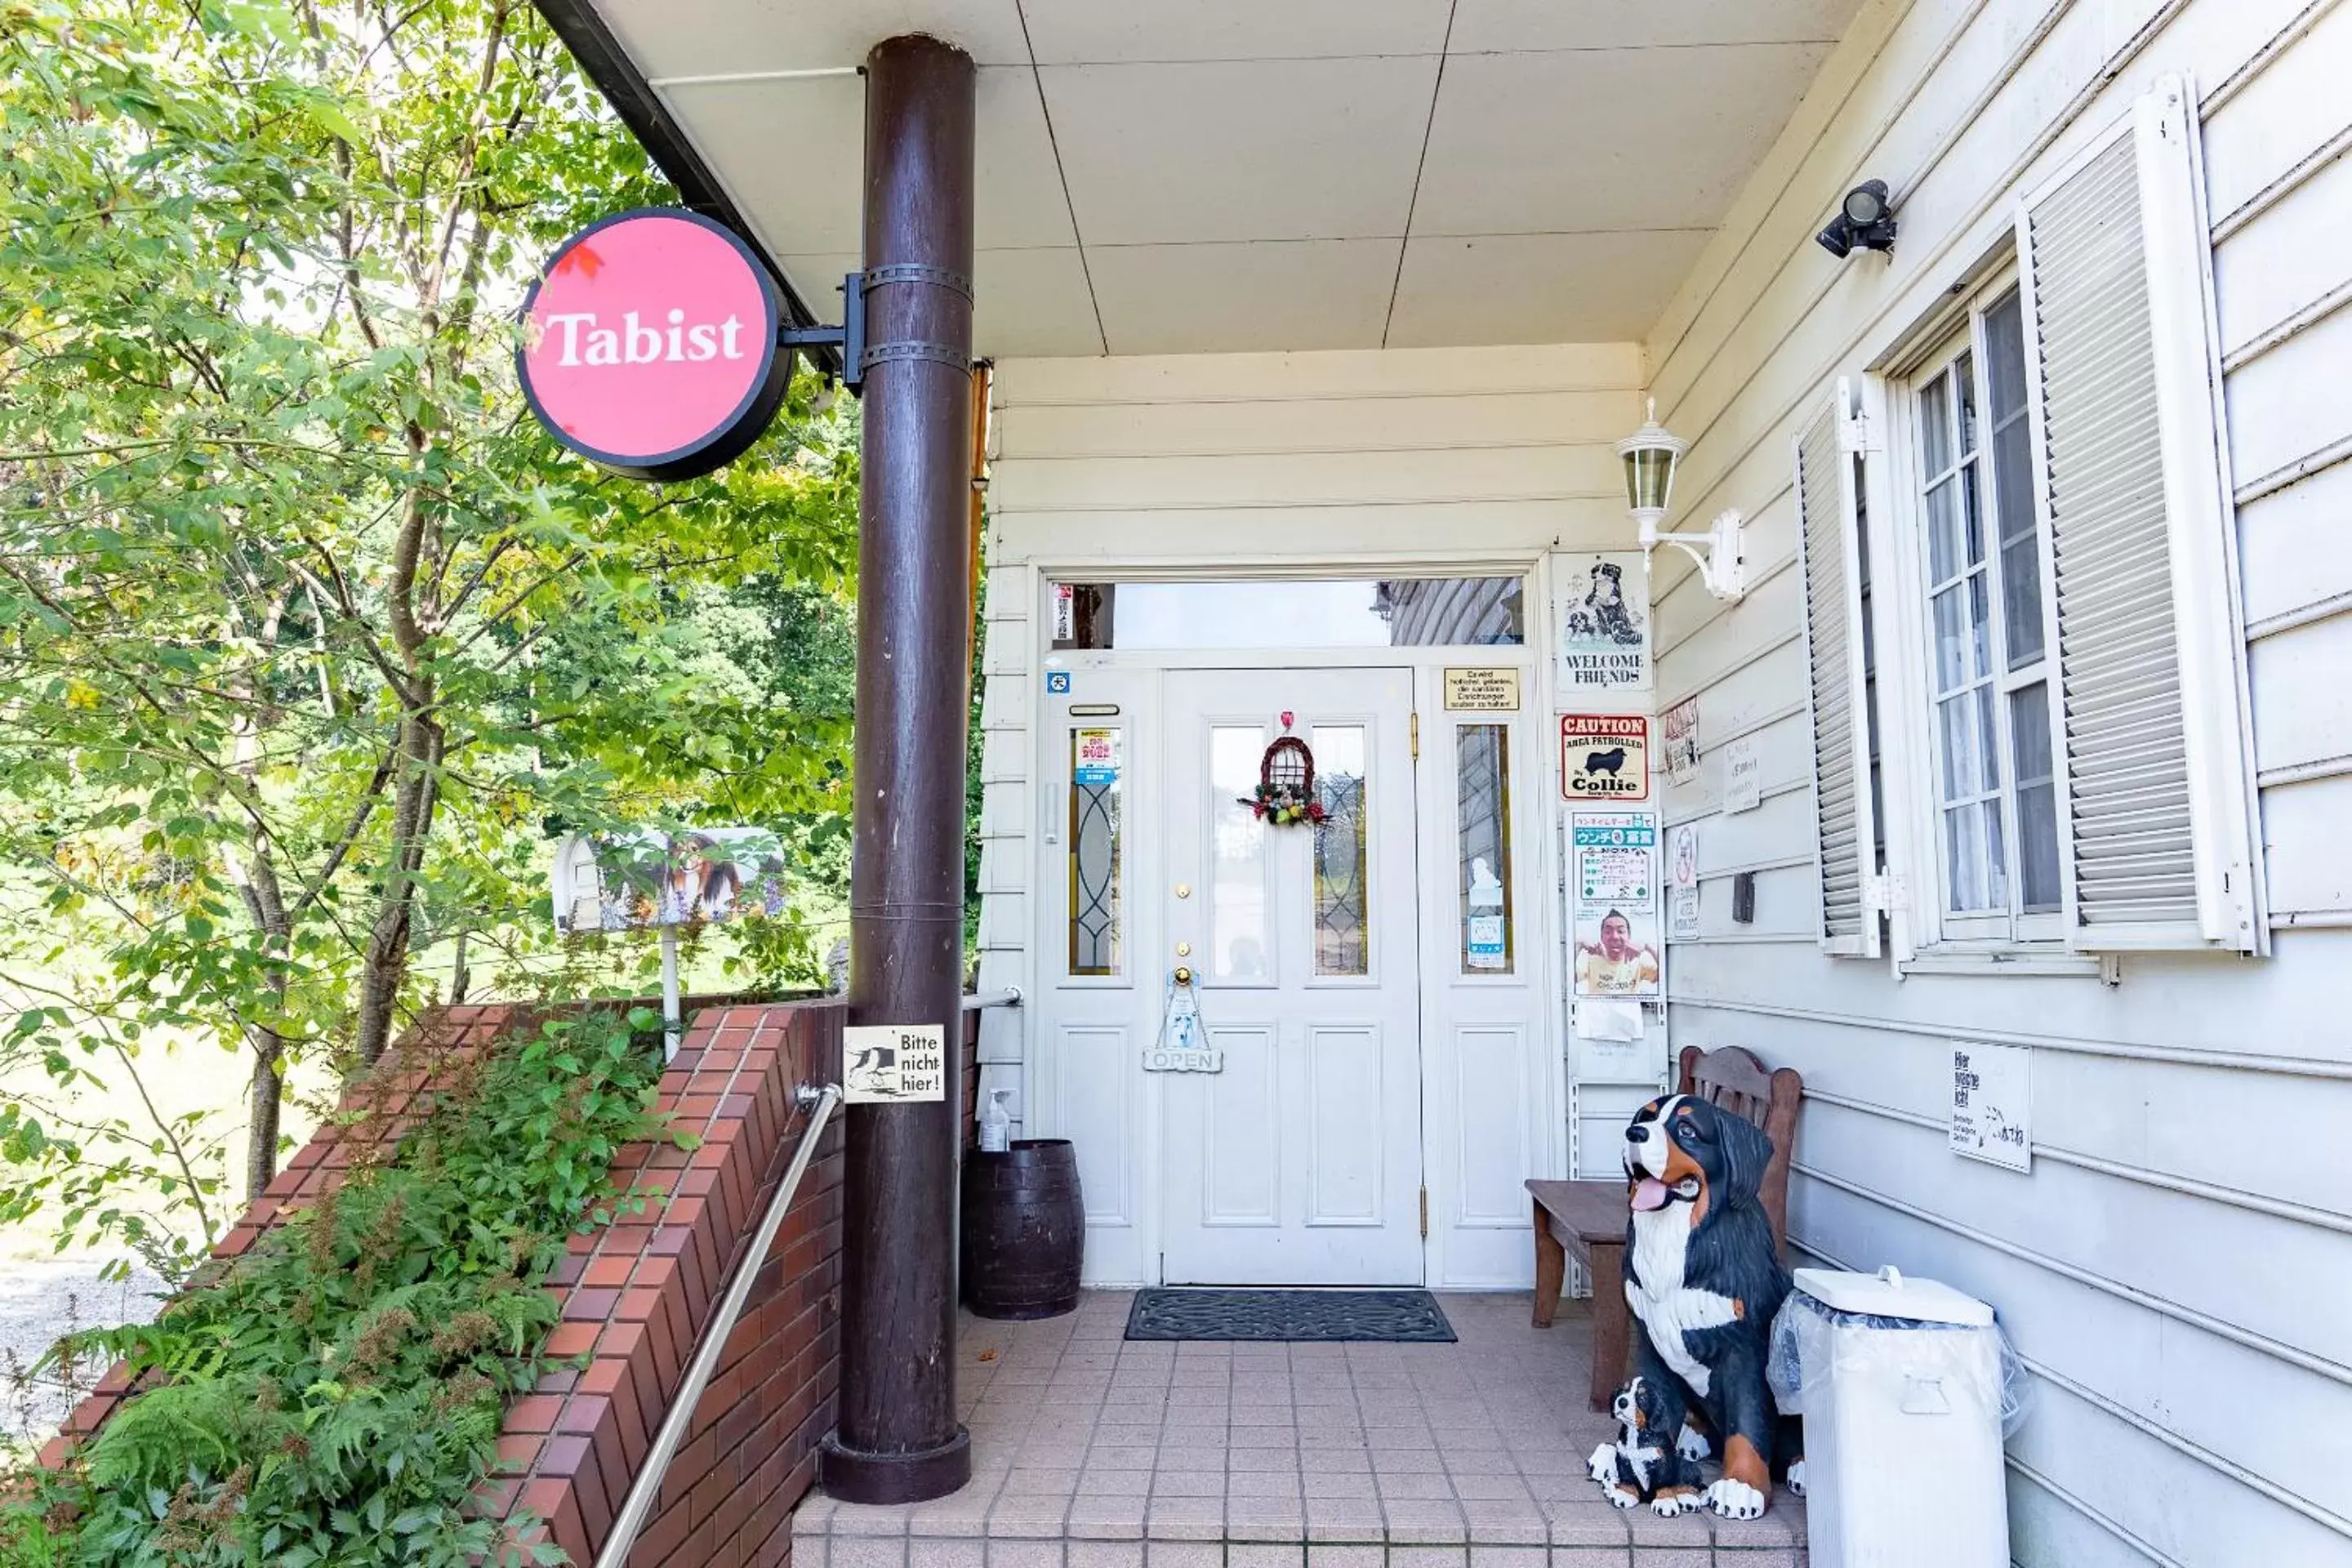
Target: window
[(1409, 612), (2041, 588), (1989, 682)]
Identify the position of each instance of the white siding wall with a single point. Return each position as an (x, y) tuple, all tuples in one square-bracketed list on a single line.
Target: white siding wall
[(1420, 457), (2176, 1266)]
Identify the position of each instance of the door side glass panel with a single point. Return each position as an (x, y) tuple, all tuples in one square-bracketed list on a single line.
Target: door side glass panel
[(1342, 847), (1482, 789)]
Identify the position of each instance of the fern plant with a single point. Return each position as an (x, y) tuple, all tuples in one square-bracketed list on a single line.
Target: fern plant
[(335, 1397)]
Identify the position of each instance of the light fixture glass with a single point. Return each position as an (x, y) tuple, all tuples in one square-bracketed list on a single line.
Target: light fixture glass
[(1650, 456)]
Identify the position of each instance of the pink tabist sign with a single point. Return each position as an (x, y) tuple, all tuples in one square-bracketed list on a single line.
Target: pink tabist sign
[(649, 345)]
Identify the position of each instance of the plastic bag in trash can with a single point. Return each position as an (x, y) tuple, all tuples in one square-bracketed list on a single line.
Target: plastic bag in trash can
[(1800, 1343)]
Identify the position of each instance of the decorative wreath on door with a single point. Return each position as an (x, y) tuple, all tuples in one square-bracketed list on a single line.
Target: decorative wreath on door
[(1285, 796)]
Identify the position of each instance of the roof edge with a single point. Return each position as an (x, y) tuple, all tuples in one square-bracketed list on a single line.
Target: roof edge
[(616, 75)]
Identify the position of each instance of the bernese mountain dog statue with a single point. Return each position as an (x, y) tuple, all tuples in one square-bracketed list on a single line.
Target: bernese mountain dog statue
[(1704, 1282), (1646, 1464)]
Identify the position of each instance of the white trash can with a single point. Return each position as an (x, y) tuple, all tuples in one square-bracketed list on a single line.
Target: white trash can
[(1905, 1385)]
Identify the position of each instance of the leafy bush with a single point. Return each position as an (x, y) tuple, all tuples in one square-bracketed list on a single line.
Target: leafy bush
[(336, 1396)]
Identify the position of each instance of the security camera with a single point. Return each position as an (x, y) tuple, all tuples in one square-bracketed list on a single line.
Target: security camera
[(1866, 219)]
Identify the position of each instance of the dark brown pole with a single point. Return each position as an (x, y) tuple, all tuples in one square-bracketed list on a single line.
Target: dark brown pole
[(897, 1439)]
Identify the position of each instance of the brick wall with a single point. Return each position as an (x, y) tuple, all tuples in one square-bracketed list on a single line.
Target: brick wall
[(636, 1294)]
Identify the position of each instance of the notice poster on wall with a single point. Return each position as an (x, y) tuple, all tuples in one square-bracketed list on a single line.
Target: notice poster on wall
[(1603, 642), (1612, 890), (1604, 757), (1678, 740), (1743, 777), (1681, 884)]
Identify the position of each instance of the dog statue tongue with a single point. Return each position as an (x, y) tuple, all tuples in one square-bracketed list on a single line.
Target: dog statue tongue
[(1649, 1193)]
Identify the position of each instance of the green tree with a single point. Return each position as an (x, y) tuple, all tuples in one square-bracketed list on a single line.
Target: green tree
[(306, 632)]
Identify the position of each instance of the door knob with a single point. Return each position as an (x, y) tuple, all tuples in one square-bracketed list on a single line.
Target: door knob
[(1183, 975)]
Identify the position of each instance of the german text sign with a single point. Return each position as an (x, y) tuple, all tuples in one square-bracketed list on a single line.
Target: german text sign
[(1604, 757), (893, 1064), (1992, 1104), (1482, 690), (649, 345)]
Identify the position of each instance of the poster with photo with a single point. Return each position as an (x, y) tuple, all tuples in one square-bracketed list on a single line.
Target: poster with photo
[(1603, 631), (1612, 888), (626, 882)]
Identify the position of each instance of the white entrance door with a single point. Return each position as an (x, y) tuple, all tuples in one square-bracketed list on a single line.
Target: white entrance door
[(1299, 1162)]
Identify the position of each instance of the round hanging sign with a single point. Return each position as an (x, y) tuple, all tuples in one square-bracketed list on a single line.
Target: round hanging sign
[(649, 345)]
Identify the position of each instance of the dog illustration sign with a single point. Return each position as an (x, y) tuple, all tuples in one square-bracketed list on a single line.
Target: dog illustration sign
[(1604, 757), (1603, 623), (893, 1064)]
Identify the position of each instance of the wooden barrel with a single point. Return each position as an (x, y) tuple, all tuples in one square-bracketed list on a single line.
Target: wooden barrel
[(1023, 1229)]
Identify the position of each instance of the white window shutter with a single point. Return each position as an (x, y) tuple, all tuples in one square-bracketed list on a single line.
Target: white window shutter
[(1844, 835), (2155, 748)]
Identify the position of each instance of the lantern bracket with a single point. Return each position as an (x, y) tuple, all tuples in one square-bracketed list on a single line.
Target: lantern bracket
[(1718, 549)]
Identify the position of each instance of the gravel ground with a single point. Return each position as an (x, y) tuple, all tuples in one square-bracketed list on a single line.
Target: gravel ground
[(41, 1300)]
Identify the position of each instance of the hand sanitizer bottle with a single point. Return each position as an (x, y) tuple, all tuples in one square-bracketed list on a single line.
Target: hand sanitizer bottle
[(995, 1126)]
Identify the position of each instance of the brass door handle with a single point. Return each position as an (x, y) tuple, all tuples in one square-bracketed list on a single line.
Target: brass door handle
[(1183, 974)]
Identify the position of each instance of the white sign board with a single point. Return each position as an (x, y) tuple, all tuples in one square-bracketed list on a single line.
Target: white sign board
[(1992, 1104), (1681, 884), (1743, 777), (893, 1064)]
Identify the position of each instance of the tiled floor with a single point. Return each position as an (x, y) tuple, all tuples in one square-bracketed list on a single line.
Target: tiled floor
[(1090, 1452)]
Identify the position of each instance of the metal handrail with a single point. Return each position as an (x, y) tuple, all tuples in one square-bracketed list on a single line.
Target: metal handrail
[(1008, 997), (819, 1103)]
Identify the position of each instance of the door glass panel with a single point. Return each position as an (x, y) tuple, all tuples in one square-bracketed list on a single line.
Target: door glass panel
[(1342, 944), (1238, 916), (1094, 852), (1483, 788)]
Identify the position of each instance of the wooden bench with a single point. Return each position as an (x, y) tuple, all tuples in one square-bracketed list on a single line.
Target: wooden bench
[(1591, 1219)]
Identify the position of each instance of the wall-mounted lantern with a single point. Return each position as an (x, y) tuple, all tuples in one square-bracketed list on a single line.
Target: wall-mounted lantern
[(1650, 456)]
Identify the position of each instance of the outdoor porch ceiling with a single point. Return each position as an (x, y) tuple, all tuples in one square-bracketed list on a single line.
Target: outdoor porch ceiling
[(1174, 176)]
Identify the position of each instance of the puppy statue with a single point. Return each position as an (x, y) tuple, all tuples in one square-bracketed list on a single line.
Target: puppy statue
[(1644, 1465), (1703, 1280)]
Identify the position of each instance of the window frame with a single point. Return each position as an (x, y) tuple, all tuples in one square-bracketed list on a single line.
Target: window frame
[(1962, 329)]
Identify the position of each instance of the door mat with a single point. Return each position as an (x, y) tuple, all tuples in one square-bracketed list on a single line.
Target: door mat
[(1390, 1317)]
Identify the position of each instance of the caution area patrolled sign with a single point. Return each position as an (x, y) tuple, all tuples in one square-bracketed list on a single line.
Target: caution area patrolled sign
[(1604, 757)]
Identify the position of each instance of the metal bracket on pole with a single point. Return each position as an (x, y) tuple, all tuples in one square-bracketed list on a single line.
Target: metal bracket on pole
[(849, 337)]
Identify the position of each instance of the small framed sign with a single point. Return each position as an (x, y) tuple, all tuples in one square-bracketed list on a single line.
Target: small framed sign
[(1482, 690), (893, 1064)]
